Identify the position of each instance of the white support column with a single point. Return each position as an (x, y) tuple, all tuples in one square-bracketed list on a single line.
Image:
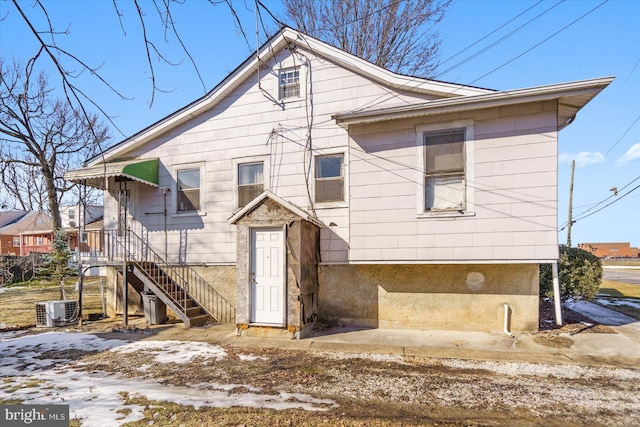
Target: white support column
[(125, 296), (556, 293)]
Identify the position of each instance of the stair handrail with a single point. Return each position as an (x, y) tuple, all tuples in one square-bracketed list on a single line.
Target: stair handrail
[(126, 245), (225, 310)]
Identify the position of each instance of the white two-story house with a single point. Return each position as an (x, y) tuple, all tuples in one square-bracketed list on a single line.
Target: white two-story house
[(311, 184)]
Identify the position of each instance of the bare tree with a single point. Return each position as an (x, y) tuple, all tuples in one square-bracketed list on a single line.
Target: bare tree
[(23, 187), (397, 35), (39, 132)]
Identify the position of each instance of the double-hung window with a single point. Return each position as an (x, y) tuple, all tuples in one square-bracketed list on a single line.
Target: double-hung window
[(444, 171), (289, 86), (329, 178), (250, 182), (16, 242), (188, 189)]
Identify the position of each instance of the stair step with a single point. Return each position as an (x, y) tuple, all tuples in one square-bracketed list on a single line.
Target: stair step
[(193, 311), (199, 320)]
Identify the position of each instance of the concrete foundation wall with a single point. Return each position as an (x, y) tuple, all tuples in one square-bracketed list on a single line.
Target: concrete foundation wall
[(446, 297), (222, 278)]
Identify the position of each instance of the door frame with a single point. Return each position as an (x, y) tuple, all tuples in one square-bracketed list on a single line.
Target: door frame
[(285, 305)]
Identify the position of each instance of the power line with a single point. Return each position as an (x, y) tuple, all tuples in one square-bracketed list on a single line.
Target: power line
[(384, 98), (623, 135), (464, 61), (582, 214), (609, 204), (538, 44), (489, 34)]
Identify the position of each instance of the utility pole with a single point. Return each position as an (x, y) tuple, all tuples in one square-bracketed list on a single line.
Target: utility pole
[(570, 220)]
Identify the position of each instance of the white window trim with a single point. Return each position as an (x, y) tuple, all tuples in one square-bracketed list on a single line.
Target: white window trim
[(288, 64), (266, 175), (469, 168), (174, 189), (345, 171)]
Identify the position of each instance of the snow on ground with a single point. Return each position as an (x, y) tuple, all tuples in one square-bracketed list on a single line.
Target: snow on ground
[(175, 351), (95, 397), (631, 302)]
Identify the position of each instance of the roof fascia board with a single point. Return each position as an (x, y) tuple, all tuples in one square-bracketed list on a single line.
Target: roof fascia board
[(191, 110), (379, 74), (266, 194), (497, 99)]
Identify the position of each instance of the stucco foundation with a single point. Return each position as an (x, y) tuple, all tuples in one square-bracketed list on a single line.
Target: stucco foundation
[(447, 297)]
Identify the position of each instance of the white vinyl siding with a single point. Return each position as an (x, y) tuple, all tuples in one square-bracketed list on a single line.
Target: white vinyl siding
[(514, 188), (510, 190)]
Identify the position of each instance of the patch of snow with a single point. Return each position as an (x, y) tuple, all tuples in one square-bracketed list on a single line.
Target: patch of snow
[(225, 387), (251, 357), (631, 302), (175, 351), (96, 397)]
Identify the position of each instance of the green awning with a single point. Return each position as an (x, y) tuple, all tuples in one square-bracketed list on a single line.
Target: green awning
[(144, 171)]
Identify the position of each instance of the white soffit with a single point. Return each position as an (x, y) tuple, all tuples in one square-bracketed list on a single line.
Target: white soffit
[(571, 98)]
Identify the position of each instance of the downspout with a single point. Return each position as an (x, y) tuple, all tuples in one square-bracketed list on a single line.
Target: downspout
[(506, 320)]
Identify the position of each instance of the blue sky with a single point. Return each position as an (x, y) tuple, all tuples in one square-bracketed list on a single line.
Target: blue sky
[(604, 139)]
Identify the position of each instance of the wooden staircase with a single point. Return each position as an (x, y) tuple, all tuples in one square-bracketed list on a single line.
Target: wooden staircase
[(172, 293)]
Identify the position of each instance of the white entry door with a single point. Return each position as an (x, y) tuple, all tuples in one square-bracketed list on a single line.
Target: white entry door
[(267, 276)]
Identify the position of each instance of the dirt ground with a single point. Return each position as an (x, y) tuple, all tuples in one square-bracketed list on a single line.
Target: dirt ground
[(382, 390), (379, 390)]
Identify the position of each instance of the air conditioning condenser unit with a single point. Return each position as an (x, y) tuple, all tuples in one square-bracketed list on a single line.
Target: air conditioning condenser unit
[(56, 313)]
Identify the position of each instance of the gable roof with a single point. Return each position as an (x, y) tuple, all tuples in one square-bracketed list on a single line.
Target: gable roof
[(284, 38), (33, 220), (266, 194), (7, 217)]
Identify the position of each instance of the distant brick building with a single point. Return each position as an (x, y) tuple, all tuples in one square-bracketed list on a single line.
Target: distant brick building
[(611, 250)]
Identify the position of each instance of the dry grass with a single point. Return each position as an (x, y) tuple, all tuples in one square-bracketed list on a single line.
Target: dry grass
[(618, 292), (17, 304), (610, 288)]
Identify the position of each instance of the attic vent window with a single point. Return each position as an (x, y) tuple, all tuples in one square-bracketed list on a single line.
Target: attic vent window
[(290, 83)]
